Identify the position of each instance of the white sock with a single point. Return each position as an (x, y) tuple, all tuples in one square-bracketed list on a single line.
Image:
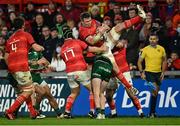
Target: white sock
[(140, 111), (113, 111)]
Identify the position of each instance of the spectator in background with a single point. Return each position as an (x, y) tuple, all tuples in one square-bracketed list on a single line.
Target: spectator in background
[(170, 31), (95, 13), (158, 29), (70, 11), (30, 12), (2, 14), (117, 19), (169, 10), (50, 14), (174, 61), (60, 21), (4, 32), (2, 42), (153, 8), (110, 11), (37, 27), (10, 24), (174, 42), (57, 64), (11, 8), (116, 10), (74, 29), (2, 22), (3, 65), (132, 36), (55, 38), (176, 19), (146, 29), (48, 43), (107, 21)]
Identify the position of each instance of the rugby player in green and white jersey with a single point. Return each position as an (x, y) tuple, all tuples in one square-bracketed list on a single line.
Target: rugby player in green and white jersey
[(37, 65)]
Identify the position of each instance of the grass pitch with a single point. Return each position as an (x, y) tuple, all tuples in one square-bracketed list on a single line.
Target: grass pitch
[(87, 121)]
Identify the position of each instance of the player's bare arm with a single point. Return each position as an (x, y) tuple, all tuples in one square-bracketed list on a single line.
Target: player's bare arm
[(93, 39), (37, 47), (97, 50)]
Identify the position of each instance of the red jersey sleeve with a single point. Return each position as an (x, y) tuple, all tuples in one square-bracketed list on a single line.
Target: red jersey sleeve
[(83, 45), (30, 39)]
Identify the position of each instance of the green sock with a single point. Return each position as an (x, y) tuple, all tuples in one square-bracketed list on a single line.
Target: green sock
[(37, 106), (58, 111), (98, 110), (102, 111)]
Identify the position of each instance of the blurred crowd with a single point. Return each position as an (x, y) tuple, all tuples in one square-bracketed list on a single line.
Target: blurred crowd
[(46, 28)]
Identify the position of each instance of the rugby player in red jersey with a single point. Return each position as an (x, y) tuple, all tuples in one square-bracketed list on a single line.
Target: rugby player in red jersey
[(119, 53), (16, 56), (76, 67), (93, 34)]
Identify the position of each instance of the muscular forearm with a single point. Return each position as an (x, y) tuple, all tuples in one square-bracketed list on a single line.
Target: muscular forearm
[(92, 40), (95, 49)]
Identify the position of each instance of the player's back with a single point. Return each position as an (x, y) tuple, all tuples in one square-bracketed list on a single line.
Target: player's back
[(72, 54), (18, 46)]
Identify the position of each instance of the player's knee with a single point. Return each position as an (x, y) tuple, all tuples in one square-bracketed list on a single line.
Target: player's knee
[(29, 89)]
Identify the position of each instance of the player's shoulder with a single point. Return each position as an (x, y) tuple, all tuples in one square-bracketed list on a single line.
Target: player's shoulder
[(160, 47), (145, 48)]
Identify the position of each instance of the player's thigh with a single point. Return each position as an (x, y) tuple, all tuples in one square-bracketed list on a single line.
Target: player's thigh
[(77, 77), (23, 78), (84, 78)]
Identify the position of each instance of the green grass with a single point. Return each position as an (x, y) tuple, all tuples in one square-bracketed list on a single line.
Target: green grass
[(87, 121)]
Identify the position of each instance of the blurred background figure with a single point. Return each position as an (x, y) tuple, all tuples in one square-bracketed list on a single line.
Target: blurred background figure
[(2, 42), (107, 20), (145, 30), (95, 13), (3, 65), (118, 19), (50, 14), (37, 27), (59, 22), (70, 11), (174, 61), (74, 29), (57, 64), (30, 12), (153, 8)]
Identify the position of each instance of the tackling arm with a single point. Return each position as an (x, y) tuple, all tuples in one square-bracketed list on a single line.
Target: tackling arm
[(37, 47)]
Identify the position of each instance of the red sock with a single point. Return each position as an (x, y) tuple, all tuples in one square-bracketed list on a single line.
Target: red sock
[(132, 21), (19, 100), (136, 103), (30, 107), (92, 103), (112, 105), (69, 103), (121, 77)]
